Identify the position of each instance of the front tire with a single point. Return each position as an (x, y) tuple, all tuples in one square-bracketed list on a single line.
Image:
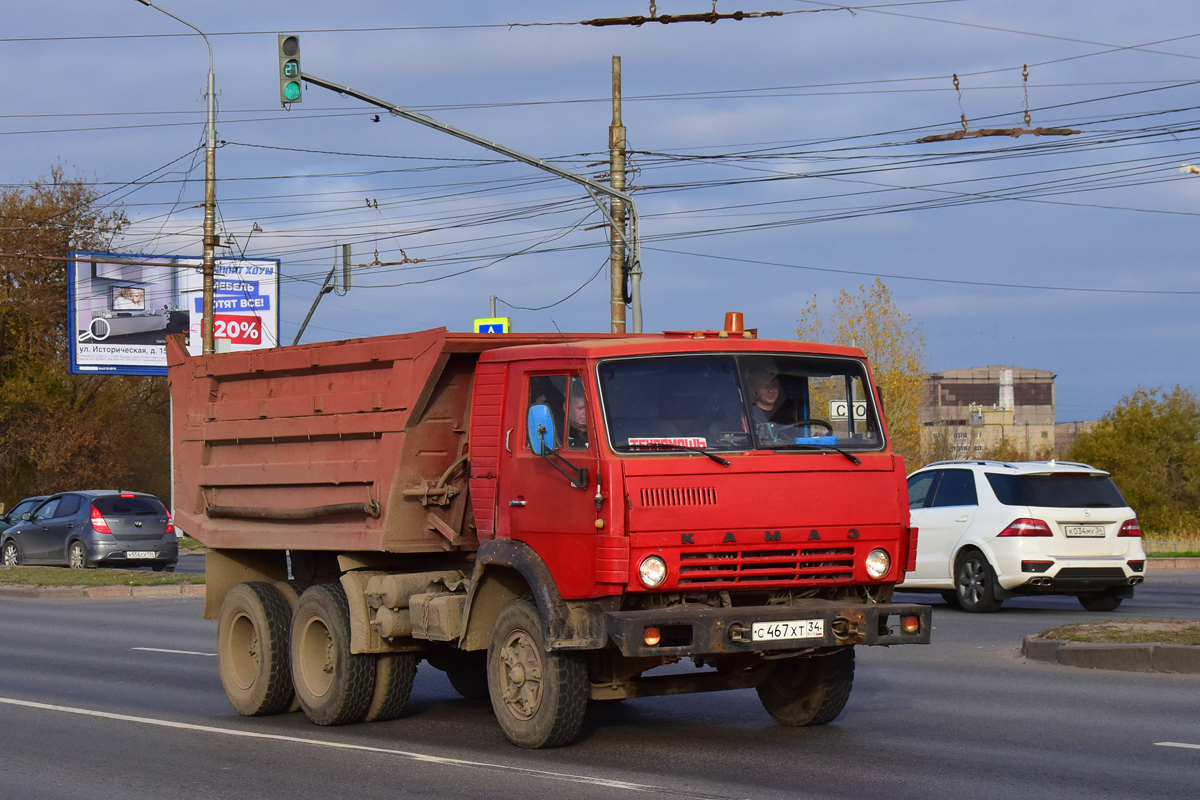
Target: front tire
[(252, 649), (76, 555), (334, 686), (1105, 601), (11, 555), (975, 583), (810, 690), (539, 697)]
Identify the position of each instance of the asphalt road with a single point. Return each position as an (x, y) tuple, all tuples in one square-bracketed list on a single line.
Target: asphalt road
[(121, 698)]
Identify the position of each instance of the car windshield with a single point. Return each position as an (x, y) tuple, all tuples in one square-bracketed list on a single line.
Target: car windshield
[(738, 402), (1056, 490), (121, 506)]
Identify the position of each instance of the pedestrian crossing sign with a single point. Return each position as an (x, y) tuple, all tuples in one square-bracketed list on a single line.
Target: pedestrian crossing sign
[(492, 325)]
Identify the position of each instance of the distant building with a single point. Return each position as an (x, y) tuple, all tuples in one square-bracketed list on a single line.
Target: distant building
[(1065, 434), (966, 412)]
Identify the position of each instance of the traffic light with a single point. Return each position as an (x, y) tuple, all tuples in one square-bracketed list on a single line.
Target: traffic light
[(289, 68)]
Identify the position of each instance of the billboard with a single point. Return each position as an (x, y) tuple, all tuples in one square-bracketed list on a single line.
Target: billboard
[(122, 306)]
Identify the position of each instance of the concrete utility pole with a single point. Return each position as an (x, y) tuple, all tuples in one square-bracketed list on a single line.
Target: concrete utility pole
[(616, 177), (210, 189)]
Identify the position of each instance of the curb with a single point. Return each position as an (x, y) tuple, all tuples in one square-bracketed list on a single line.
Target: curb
[(102, 592), (1173, 563), (1153, 657)]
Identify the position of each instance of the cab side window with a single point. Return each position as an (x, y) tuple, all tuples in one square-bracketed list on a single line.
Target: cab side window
[(956, 488), (550, 390), (919, 487)]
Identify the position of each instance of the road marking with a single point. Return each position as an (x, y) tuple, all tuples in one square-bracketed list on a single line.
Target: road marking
[(1178, 744), (174, 652), (590, 780)]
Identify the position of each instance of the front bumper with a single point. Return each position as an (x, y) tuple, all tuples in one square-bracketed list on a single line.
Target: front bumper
[(697, 629)]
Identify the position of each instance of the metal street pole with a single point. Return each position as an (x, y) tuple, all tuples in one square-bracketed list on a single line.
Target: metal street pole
[(210, 189)]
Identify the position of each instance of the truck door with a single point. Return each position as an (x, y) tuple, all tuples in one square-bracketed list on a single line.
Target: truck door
[(538, 504)]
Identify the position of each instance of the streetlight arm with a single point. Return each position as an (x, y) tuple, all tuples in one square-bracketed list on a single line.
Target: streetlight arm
[(148, 4)]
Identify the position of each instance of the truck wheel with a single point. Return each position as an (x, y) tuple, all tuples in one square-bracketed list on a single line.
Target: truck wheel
[(1104, 601), (809, 691), (394, 676), (334, 686), (539, 697), (975, 583), (468, 675), (252, 649)]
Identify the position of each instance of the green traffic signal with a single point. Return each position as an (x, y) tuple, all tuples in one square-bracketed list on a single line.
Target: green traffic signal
[(289, 69)]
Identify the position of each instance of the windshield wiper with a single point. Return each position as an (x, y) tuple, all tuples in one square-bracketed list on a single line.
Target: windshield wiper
[(823, 448), (677, 447)]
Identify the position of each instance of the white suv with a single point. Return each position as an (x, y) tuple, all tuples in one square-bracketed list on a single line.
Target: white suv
[(991, 530)]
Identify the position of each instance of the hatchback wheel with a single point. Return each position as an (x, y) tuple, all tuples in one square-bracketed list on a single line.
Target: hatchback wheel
[(975, 583), (76, 555), (11, 556)]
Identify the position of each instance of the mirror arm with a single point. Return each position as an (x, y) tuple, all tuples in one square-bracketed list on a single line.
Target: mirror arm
[(578, 476)]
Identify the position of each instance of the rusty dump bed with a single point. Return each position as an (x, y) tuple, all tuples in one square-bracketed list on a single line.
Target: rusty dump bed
[(345, 446)]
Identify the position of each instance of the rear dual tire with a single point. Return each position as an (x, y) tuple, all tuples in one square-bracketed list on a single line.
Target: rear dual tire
[(252, 649)]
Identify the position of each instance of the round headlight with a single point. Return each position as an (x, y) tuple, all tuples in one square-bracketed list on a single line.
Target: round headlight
[(653, 571), (878, 563)]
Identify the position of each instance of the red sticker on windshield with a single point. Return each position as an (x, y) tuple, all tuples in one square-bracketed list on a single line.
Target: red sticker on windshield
[(678, 441)]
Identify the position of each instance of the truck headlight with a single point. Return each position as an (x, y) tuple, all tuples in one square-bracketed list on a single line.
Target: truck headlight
[(878, 563), (652, 571)]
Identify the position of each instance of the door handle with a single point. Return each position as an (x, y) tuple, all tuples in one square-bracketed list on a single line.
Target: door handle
[(963, 518), (516, 503)]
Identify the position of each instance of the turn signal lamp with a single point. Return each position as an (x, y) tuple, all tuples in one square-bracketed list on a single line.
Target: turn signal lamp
[(1130, 528), (1026, 527), (651, 636), (99, 523), (910, 624)]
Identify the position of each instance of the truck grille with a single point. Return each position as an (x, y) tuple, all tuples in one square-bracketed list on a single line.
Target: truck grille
[(767, 566), (679, 496)]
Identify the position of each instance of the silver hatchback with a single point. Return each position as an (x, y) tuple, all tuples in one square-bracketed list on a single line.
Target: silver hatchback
[(94, 528)]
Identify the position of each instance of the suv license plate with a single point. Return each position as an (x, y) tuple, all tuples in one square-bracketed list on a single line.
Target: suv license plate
[(788, 629), (1084, 531), (140, 554)]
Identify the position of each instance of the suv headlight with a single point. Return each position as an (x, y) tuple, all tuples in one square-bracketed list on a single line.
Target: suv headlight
[(652, 572), (878, 563)]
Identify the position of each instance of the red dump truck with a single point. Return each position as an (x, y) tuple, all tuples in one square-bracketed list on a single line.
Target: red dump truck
[(548, 518)]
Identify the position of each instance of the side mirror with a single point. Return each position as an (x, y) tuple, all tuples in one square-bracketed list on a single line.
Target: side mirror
[(540, 424), (28, 515)]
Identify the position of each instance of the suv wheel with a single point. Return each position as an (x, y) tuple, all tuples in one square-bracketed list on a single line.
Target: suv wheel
[(975, 583)]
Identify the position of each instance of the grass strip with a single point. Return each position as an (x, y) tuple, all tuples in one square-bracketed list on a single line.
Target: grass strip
[(61, 576), (1138, 631)]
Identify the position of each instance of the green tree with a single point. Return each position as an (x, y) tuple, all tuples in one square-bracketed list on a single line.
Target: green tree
[(870, 320), (60, 431), (1150, 442)]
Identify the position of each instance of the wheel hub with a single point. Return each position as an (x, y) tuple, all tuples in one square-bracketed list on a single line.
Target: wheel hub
[(521, 675)]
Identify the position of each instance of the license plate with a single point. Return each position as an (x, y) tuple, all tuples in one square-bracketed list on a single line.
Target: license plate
[(1084, 531), (140, 554), (788, 629)]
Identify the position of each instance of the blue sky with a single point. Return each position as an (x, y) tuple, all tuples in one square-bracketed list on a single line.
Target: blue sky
[(775, 160)]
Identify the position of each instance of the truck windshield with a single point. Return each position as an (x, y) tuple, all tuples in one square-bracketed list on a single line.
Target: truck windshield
[(738, 402)]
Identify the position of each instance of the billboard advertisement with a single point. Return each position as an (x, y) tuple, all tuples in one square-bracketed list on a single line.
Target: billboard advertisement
[(122, 306)]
